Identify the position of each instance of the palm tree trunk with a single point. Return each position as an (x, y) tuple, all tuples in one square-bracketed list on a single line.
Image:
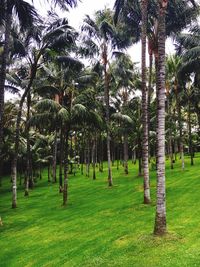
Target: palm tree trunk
[(139, 157), (65, 187), (145, 149), (170, 150), (160, 219), (40, 171), (107, 104), (88, 159), (48, 171), (101, 154), (190, 133), (61, 160), (93, 159), (28, 158), (178, 107), (125, 153), (55, 156), (149, 95)]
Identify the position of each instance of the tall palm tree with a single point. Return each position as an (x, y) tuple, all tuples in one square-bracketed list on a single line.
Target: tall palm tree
[(173, 66), (160, 220), (57, 36), (145, 142), (27, 16), (101, 37), (122, 71)]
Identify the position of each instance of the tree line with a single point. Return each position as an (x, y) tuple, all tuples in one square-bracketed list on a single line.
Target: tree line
[(72, 116)]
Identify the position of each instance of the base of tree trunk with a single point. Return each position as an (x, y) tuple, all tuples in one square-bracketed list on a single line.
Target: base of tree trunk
[(147, 200), (160, 226), (14, 205), (60, 189), (65, 195), (26, 193), (126, 172), (110, 183)]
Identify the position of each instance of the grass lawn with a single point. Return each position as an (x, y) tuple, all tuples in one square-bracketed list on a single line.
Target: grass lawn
[(102, 226)]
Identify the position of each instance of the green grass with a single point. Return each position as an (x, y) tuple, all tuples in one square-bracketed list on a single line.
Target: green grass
[(102, 226)]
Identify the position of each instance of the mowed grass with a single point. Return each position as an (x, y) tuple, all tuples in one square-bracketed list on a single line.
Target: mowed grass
[(102, 226)]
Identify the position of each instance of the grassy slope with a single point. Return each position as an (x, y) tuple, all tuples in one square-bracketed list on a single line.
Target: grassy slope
[(101, 226)]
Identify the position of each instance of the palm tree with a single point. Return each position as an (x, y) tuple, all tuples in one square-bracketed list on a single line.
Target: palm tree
[(122, 72), (173, 66), (53, 34), (145, 142), (160, 220), (101, 36), (27, 16)]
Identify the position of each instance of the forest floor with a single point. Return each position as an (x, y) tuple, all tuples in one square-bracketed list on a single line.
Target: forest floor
[(102, 226)]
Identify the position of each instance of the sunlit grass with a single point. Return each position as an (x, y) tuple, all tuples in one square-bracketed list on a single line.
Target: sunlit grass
[(102, 226)]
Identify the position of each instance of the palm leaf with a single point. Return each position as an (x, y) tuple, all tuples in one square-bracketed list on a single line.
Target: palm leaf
[(122, 118), (63, 115), (47, 105)]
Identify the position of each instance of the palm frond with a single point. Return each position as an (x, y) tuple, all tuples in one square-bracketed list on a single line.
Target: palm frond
[(47, 105), (40, 119), (12, 89), (79, 113), (118, 6), (70, 62), (122, 118), (47, 90), (63, 115), (26, 13)]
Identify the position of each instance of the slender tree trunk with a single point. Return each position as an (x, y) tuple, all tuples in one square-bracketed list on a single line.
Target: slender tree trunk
[(93, 159), (190, 133), (145, 148), (49, 175), (170, 133), (61, 160), (28, 158), (134, 156), (40, 171), (157, 89), (55, 156), (101, 154), (171, 152), (125, 153), (65, 188), (160, 219), (149, 96), (88, 159), (139, 157), (178, 107), (107, 104)]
